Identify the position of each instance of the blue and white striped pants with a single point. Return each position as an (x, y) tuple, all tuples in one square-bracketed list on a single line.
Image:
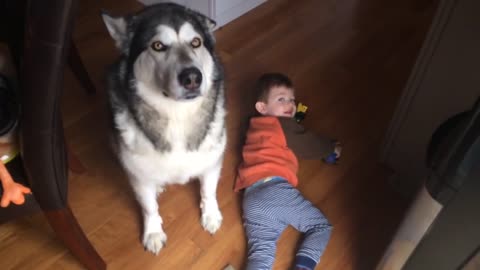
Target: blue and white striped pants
[(267, 211)]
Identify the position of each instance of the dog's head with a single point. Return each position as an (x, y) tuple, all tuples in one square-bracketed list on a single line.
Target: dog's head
[(169, 50)]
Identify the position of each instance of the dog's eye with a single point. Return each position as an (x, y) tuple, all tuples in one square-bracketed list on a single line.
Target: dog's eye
[(196, 42), (158, 46)]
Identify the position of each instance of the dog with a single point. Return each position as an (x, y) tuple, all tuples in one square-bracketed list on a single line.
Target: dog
[(166, 94)]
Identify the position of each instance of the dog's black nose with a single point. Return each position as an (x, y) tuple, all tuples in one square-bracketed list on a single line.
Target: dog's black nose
[(190, 78)]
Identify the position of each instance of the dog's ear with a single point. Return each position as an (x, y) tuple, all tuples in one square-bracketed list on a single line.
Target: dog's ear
[(209, 23), (117, 27)]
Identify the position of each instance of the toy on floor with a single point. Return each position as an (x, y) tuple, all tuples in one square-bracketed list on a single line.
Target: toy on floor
[(12, 191), (331, 159), (335, 156), (301, 112), (299, 116)]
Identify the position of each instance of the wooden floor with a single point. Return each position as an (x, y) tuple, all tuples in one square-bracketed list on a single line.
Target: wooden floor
[(349, 60)]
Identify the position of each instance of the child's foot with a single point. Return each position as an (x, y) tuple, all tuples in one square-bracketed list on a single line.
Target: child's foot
[(304, 263)]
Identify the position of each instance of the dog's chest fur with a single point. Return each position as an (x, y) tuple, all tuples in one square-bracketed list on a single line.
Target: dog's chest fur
[(190, 139)]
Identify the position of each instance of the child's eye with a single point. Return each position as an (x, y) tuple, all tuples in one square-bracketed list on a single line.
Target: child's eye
[(281, 99)]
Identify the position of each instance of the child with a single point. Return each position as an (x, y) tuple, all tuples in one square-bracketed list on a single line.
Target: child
[(268, 174)]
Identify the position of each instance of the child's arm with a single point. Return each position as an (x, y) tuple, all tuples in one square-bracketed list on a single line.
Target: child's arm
[(12, 192), (305, 144)]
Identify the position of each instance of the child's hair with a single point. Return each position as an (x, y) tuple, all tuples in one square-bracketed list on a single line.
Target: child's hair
[(269, 80)]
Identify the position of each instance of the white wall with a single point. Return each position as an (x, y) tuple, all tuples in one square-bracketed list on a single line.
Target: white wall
[(222, 11), (228, 10)]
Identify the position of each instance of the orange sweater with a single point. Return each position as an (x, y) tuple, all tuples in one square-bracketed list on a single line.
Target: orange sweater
[(266, 154)]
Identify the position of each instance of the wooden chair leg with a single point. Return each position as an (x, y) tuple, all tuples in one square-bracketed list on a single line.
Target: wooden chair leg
[(76, 64), (69, 231), (74, 163)]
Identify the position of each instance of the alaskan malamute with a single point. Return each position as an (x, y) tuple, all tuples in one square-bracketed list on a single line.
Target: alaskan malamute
[(167, 102)]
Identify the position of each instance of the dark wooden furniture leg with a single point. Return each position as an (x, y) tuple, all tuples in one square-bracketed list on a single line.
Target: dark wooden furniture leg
[(76, 64), (74, 163), (69, 231)]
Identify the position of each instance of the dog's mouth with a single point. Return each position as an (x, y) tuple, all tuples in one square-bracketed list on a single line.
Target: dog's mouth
[(191, 95), (187, 96)]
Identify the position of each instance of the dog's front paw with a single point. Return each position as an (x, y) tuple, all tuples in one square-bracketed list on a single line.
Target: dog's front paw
[(154, 242), (211, 220)]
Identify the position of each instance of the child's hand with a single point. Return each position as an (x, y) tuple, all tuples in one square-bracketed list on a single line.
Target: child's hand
[(338, 149), (13, 192)]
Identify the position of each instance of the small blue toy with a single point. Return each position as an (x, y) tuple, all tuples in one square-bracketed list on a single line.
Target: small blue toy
[(331, 159)]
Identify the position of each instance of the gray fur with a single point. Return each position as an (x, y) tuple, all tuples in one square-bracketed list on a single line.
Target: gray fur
[(209, 108), (167, 106), (122, 81)]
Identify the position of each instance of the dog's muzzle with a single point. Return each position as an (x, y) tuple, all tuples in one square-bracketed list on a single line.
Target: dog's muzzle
[(191, 79)]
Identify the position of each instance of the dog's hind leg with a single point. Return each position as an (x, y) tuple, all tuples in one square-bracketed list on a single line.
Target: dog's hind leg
[(154, 238), (211, 215)]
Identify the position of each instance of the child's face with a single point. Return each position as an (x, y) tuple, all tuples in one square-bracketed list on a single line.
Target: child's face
[(280, 103)]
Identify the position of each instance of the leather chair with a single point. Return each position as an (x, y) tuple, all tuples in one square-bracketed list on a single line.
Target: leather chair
[(46, 48)]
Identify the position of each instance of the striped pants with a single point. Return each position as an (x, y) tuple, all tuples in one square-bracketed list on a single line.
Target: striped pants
[(267, 211)]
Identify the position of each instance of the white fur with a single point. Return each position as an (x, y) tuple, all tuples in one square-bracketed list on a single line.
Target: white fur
[(150, 170), (159, 62)]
